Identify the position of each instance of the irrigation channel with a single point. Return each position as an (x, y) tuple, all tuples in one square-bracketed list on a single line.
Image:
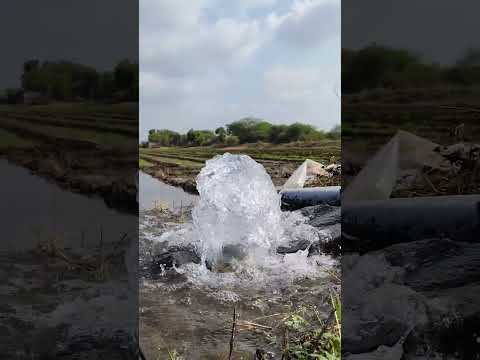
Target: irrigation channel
[(232, 248), (65, 287), (49, 211), (155, 193)]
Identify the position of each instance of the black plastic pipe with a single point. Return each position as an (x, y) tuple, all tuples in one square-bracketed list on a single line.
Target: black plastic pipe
[(371, 225), (300, 198)]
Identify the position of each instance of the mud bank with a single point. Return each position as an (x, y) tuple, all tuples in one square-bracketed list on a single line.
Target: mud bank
[(174, 175), (184, 177)]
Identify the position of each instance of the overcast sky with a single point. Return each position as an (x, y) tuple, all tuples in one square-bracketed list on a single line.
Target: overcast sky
[(438, 30), (205, 63), (91, 32)]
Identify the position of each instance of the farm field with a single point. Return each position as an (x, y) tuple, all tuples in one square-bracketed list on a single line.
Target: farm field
[(377, 115), (87, 148), (110, 125), (178, 166)]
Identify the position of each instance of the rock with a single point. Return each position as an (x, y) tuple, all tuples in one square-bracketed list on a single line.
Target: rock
[(322, 215), (231, 252), (190, 186), (425, 292), (175, 256), (327, 219), (293, 247), (453, 328), (330, 245), (380, 316), (436, 264), (382, 352)]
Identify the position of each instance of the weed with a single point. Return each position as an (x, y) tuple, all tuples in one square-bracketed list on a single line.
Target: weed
[(308, 337)]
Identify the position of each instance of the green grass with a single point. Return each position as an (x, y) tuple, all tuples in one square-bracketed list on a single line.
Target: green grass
[(9, 140), (101, 138), (170, 161), (64, 120), (143, 164), (172, 355), (297, 152), (109, 125), (310, 337)]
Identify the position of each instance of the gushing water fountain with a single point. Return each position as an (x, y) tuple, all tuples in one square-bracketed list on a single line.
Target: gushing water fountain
[(239, 209)]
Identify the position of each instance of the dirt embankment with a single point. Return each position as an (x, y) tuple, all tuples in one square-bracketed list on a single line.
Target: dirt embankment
[(184, 177), (279, 171)]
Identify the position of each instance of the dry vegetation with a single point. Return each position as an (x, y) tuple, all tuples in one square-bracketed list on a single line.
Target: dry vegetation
[(434, 114)]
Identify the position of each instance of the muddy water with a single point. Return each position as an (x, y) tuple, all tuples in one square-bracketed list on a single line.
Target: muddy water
[(34, 209), (153, 191), (195, 317), (197, 321)]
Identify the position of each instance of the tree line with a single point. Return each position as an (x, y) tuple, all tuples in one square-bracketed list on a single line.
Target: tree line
[(376, 66), (69, 81), (247, 130)]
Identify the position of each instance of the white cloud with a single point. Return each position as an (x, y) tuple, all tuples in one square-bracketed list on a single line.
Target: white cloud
[(308, 22), (160, 14), (291, 84), (304, 94), (257, 4), (191, 44), (154, 86)]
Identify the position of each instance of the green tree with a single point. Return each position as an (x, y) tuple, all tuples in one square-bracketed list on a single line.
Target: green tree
[(278, 134), (335, 132), (232, 140), (262, 131), (373, 66), (221, 134), (191, 136), (126, 79), (470, 58), (164, 137), (298, 131), (245, 129)]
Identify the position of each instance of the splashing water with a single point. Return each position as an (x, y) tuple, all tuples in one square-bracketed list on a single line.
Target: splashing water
[(239, 208), (238, 221)]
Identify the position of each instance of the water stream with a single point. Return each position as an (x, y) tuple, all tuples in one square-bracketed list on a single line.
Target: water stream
[(34, 209), (154, 192)]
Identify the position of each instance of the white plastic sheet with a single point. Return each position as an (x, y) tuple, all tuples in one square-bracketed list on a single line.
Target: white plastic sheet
[(308, 169), (404, 153)]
